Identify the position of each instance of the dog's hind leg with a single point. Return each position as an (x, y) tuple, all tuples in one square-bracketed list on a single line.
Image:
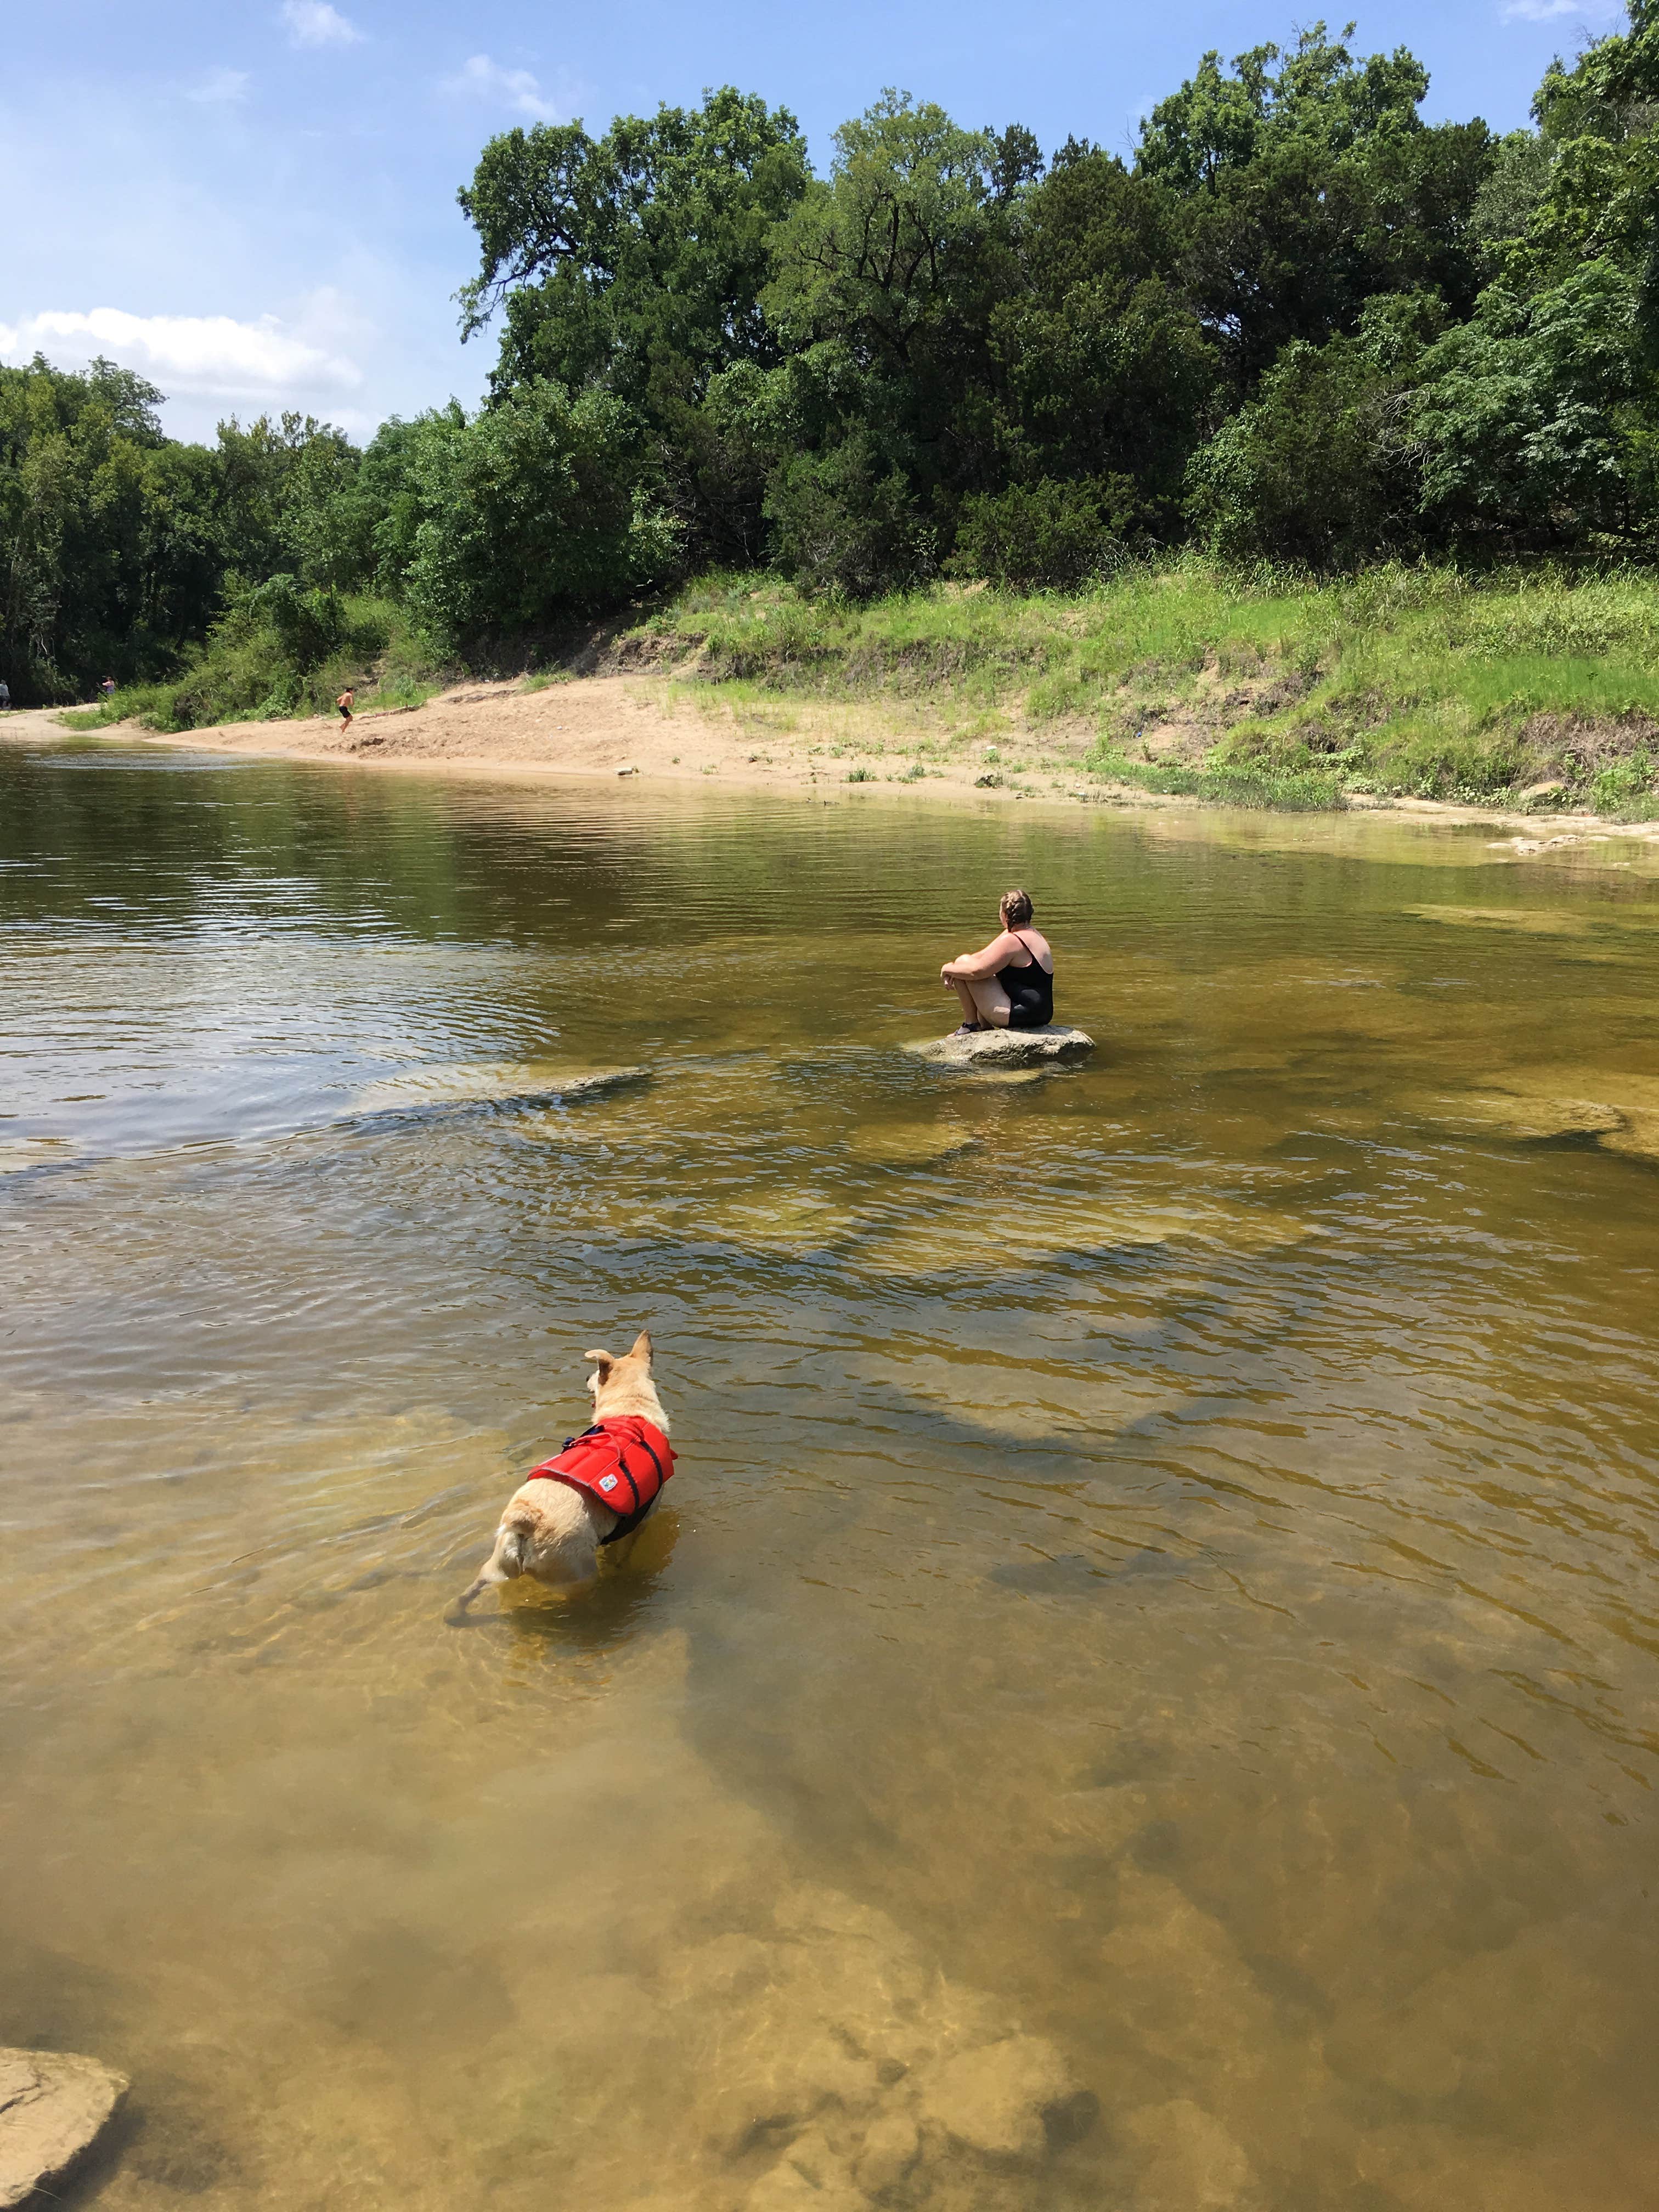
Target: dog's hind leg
[(505, 1563), (487, 1577)]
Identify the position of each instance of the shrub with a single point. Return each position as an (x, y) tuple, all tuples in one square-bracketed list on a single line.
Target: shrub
[(279, 652), (1044, 536), (1312, 470), (845, 528)]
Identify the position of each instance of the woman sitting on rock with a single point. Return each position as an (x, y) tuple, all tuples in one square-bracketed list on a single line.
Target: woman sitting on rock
[(1010, 984)]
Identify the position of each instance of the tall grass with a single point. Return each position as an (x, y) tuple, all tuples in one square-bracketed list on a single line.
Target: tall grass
[(1403, 679)]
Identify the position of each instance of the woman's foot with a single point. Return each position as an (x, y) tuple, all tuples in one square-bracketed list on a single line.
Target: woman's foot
[(969, 1028)]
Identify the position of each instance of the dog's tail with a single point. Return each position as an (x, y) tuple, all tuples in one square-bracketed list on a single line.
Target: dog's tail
[(513, 1545)]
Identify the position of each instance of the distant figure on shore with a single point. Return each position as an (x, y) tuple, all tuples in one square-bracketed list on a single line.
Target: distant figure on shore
[(107, 689), (1010, 984), (345, 703), (5, 698)]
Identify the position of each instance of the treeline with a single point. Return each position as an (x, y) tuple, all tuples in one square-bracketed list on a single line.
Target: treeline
[(1301, 326), (120, 548)]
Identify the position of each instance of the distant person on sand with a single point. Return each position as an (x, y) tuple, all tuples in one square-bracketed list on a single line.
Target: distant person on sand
[(345, 703), (107, 689), (5, 698), (1010, 985)]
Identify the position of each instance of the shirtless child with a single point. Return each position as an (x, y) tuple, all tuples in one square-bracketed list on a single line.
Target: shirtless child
[(345, 703)]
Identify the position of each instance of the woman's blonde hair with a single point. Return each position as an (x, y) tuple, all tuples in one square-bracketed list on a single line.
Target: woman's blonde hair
[(1016, 909)]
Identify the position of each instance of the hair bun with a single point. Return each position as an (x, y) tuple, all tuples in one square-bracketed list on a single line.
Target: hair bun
[(1016, 908)]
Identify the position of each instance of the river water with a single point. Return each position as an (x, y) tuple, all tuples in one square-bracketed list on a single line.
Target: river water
[(1142, 1693)]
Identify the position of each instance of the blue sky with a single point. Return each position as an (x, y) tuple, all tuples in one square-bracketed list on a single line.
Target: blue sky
[(254, 204)]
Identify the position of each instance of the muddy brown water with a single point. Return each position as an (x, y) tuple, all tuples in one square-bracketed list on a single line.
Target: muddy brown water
[(1151, 1647)]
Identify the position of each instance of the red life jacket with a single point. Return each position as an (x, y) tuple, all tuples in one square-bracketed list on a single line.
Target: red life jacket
[(621, 1464)]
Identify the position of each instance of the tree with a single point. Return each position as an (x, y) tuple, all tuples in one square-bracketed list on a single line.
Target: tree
[(539, 505), (1309, 184), (1526, 415), (110, 540), (1104, 369), (889, 269), (636, 259)]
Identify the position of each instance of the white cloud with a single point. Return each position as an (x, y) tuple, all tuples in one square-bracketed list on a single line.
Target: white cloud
[(219, 87), (483, 79), (314, 23), (212, 354), (1553, 11)]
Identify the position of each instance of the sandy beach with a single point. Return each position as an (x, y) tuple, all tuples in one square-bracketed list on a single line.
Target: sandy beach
[(663, 732)]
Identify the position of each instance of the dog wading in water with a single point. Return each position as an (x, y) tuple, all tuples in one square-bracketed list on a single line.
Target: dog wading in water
[(597, 1490), (1009, 984)]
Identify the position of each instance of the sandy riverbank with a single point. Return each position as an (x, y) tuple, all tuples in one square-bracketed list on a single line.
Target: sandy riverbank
[(663, 733)]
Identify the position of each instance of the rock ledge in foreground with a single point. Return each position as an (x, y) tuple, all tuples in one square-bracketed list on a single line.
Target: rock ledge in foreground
[(1007, 1048), (53, 2105)]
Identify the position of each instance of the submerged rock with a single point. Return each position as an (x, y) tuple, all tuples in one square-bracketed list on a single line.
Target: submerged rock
[(892, 2147), (1511, 1113), (1006, 2098), (1073, 1574), (810, 2173), (502, 1083), (53, 2106), (1006, 1048), (1193, 2164), (903, 1146), (1620, 1111)]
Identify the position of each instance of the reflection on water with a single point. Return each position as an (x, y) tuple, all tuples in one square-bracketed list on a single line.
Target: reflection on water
[(1143, 1693)]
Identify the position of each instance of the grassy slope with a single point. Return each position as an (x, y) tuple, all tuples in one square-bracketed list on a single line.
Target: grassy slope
[(1186, 678)]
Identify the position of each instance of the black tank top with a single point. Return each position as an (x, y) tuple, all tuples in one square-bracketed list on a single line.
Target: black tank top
[(1031, 993)]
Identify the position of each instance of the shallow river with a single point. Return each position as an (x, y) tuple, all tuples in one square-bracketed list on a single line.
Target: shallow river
[(1143, 1693)]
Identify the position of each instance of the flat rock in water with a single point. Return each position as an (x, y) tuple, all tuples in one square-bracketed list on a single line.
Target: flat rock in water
[(1511, 1113), (897, 1147), (1004, 1049), (1617, 1107), (1193, 2164), (497, 1082), (53, 2105), (1008, 2100)]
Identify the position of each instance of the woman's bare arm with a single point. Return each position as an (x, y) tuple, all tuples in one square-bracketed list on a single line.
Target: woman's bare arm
[(971, 966)]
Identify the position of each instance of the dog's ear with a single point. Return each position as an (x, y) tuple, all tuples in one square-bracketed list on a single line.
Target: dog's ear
[(604, 1361), (641, 1349)]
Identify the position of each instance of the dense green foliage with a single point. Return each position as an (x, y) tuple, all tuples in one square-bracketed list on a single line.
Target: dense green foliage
[(119, 548), (1302, 325)]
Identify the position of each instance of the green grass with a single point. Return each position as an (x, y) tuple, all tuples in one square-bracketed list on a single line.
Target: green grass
[(1294, 791), (245, 674), (1280, 689)]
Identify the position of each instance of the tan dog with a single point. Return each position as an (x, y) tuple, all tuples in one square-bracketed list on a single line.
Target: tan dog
[(553, 1530)]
